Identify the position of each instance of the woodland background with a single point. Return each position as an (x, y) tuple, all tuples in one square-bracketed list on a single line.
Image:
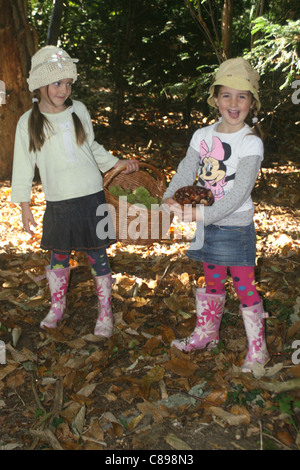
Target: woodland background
[(144, 72)]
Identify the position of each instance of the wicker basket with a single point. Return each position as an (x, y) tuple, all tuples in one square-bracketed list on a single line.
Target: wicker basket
[(135, 225)]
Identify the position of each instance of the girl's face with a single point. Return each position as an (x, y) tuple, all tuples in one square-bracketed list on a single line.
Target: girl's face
[(53, 96), (234, 106)]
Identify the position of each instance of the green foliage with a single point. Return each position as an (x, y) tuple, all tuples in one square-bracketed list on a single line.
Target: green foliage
[(141, 193), (285, 309), (287, 405), (277, 49), (241, 397), (140, 196), (133, 53), (117, 190)]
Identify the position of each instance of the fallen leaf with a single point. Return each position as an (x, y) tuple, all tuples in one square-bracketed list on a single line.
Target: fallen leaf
[(17, 379), (182, 367), (151, 345), (238, 416), (21, 356), (285, 438), (177, 443), (87, 390), (218, 397), (116, 426), (157, 411), (7, 370), (70, 411), (78, 422), (259, 370), (155, 375), (64, 434)]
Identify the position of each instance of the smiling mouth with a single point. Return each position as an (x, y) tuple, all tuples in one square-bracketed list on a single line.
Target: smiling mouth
[(234, 114)]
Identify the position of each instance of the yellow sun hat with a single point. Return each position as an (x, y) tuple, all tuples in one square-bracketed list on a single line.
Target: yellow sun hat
[(237, 74)]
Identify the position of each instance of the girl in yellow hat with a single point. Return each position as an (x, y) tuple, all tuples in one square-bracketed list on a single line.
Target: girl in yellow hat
[(226, 158), (57, 136)]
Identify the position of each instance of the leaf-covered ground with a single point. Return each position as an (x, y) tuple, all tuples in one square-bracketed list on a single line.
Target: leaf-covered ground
[(66, 389)]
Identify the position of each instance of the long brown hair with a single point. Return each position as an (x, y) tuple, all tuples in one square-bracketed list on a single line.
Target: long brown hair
[(38, 124)]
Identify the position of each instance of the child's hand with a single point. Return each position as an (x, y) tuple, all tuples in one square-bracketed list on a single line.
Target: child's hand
[(129, 166), (171, 205), (27, 218), (185, 213)]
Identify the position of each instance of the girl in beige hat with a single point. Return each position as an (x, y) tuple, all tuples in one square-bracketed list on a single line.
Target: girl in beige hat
[(226, 157), (57, 136)]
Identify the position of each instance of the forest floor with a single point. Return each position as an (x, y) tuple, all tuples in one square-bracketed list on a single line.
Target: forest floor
[(66, 389)]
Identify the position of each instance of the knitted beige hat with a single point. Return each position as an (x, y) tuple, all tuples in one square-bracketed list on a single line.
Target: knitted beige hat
[(238, 74), (50, 64)]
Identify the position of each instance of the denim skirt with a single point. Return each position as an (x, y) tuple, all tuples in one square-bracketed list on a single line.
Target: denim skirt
[(227, 246), (79, 224)]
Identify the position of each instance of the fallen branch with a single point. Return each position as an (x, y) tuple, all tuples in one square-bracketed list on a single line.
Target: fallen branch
[(47, 436), (271, 386), (278, 387), (276, 440), (38, 401), (58, 402)]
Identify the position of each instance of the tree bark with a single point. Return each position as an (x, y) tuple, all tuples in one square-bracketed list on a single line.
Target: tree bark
[(227, 15), (54, 26), (18, 43), (260, 8), (211, 36), (124, 38)]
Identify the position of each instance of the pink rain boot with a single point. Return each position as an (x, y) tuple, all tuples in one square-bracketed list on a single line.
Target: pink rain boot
[(253, 318), (58, 280), (209, 311), (104, 325)]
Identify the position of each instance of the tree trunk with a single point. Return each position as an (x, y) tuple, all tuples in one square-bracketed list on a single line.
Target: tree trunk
[(124, 42), (260, 8), (18, 42), (211, 33), (54, 26), (227, 15)]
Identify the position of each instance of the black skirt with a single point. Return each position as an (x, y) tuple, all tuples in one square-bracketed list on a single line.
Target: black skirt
[(79, 224)]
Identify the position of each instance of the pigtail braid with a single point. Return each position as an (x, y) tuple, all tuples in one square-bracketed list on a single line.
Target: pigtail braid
[(79, 129), (37, 123)]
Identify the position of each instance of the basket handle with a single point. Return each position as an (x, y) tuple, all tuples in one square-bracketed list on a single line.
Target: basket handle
[(115, 171)]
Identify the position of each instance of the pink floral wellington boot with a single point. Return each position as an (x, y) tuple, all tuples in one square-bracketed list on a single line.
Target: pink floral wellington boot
[(209, 311), (253, 318), (58, 280), (104, 325)]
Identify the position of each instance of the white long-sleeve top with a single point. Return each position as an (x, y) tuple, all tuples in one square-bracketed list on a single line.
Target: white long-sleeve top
[(66, 169)]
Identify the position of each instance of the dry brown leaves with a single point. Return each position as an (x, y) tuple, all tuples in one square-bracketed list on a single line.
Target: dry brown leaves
[(66, 389)]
